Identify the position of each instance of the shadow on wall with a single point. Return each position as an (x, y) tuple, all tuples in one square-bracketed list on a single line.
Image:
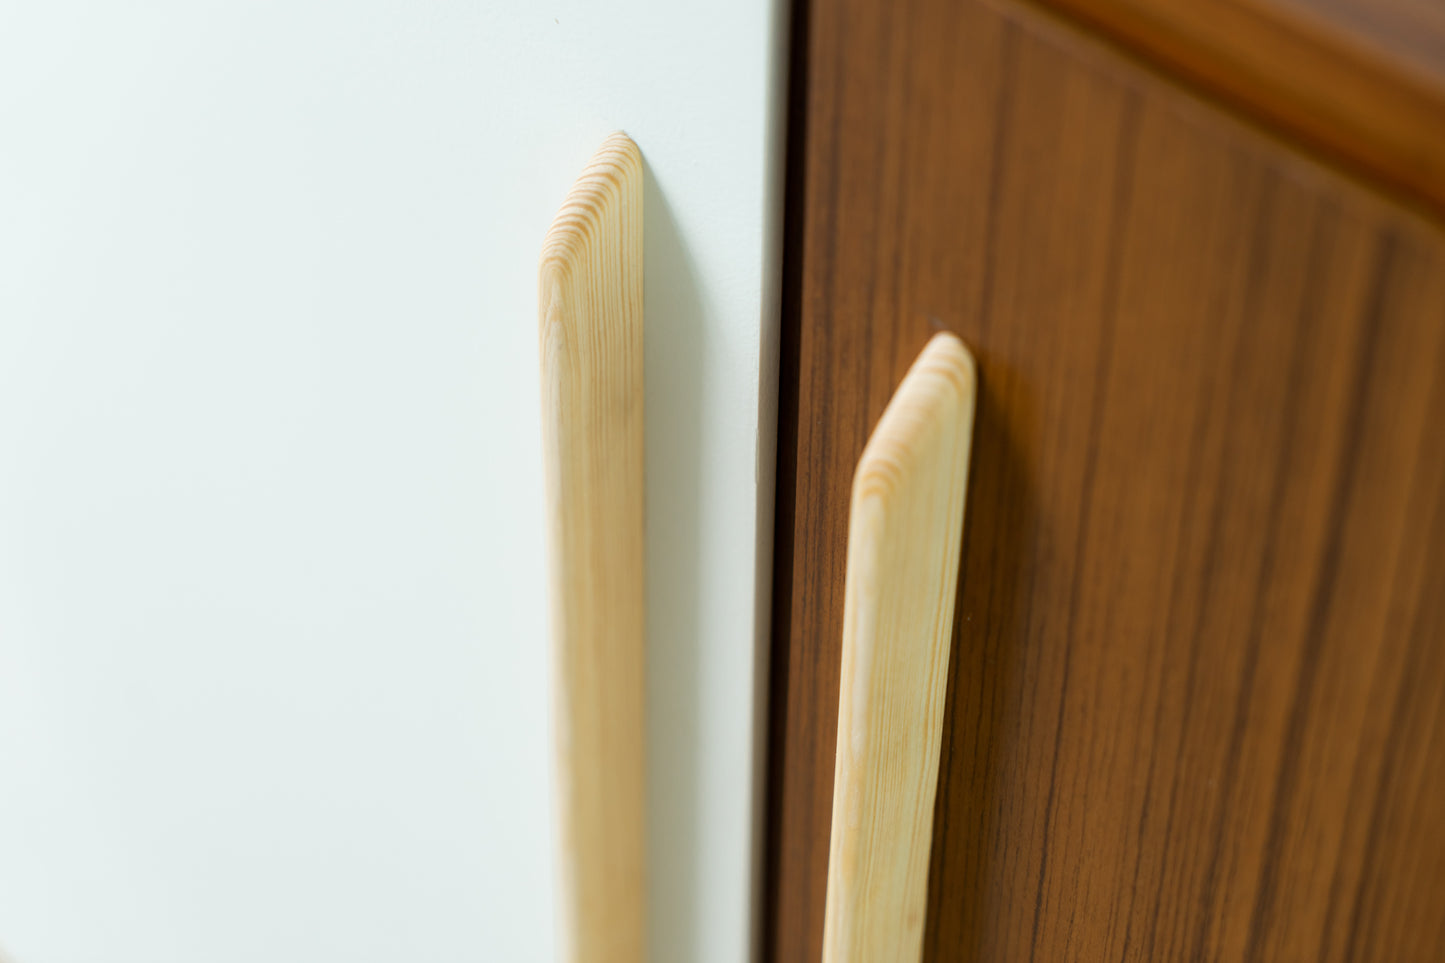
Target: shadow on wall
[(675, 345)]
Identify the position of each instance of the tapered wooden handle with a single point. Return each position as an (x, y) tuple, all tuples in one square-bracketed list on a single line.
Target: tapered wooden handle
[(905, 525), (592, 422)]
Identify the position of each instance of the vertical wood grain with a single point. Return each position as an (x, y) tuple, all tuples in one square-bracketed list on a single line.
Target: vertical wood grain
[(1196, 706), (904, 527), (590, 298), (1362, 81)]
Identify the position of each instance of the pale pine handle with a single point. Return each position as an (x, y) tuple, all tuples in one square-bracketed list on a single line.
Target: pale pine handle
[(904, 530), (590, 302)]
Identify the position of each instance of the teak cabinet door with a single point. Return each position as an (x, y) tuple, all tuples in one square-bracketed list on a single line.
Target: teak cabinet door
[(1196, 706)]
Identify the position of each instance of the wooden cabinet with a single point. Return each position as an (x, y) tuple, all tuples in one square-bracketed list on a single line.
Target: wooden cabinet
[(1196, 707)]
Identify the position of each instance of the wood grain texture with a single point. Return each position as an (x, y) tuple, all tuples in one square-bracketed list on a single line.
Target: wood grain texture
[(1361, 82), (1196, 706), (904, 526), (590, 298)]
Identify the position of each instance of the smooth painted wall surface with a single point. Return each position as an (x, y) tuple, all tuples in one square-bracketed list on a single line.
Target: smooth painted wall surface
[(273, 662)]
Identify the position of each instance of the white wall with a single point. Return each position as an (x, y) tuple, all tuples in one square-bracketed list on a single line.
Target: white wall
[(273, 665)]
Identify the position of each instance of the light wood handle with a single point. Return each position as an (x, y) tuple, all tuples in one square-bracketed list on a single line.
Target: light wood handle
[(590, 302), (905, 524)]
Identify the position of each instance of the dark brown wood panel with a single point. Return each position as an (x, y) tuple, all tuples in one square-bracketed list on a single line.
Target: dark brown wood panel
[(1197, 696), (1362, 80)]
